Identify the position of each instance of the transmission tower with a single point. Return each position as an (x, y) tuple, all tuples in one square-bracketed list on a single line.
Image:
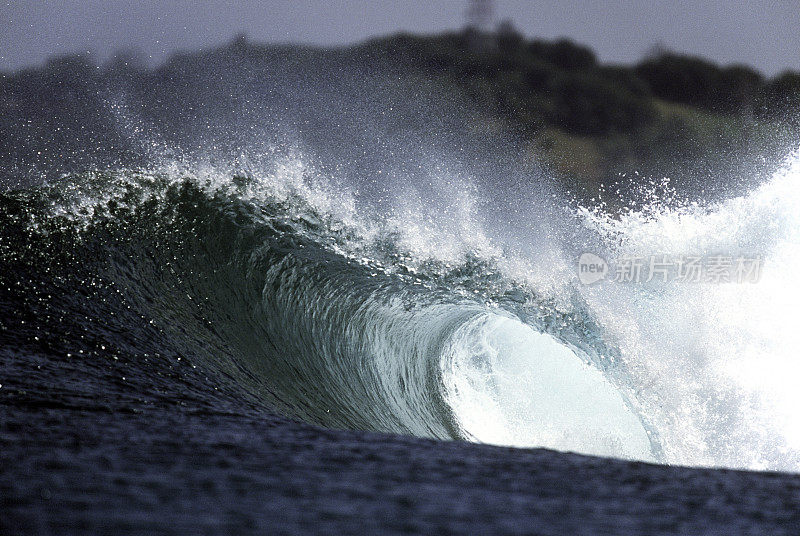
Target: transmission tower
[(480, 15)]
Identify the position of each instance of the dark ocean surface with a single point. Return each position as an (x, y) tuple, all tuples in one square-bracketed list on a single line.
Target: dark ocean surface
[(86, 452)]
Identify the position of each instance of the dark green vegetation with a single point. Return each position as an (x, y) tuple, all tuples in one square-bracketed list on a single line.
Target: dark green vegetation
[(669, 115)]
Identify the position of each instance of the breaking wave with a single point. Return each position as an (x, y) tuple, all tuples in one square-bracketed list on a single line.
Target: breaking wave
[(429, 318)]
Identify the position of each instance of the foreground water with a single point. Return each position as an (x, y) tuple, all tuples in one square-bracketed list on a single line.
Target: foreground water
[(142, 446)]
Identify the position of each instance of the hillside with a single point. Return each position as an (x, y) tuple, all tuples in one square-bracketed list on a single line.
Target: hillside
[(669, 115)]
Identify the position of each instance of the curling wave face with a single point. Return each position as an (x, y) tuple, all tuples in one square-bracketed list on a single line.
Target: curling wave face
[(281, 285), (511, 384), (319, 321)]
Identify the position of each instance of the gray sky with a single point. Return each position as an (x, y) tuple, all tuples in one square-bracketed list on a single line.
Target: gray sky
[(761, 33)]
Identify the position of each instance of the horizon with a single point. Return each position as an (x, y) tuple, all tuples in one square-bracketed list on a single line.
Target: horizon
[(35, 32)]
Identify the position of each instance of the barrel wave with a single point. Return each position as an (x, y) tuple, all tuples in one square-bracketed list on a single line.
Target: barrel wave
[(377, 254), (440, 317), (330, 322)]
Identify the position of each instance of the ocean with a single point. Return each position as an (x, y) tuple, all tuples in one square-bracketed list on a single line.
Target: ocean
[(350, 309)]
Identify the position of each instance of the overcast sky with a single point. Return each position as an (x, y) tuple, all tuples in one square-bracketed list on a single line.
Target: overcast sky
[(761, 33)]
